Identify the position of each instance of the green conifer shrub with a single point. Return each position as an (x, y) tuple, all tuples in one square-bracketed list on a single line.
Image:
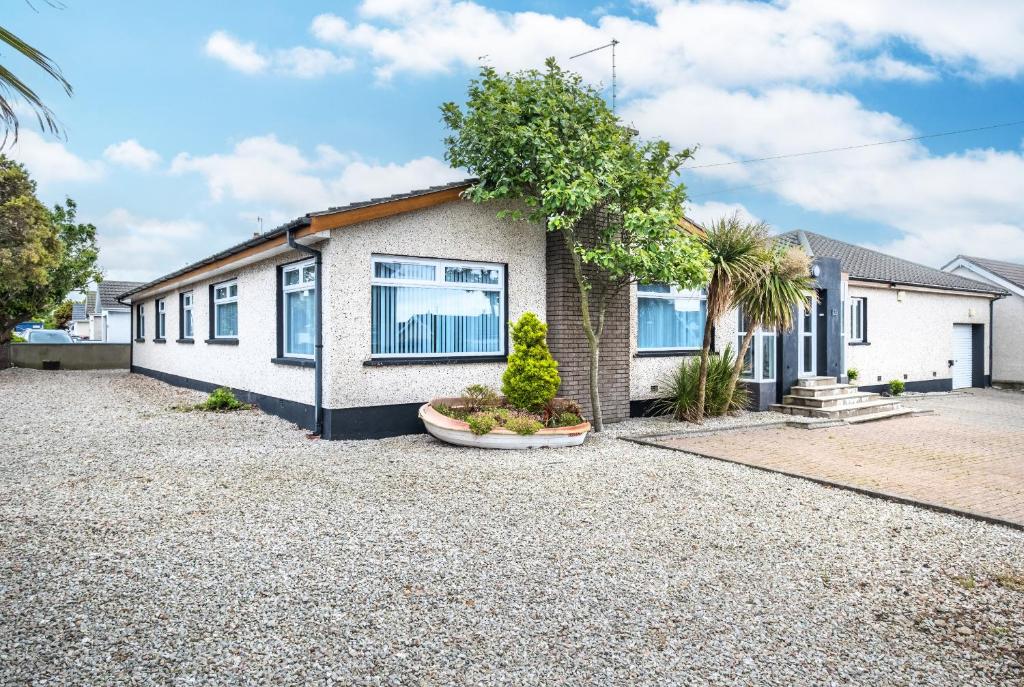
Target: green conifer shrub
[(531, 380)]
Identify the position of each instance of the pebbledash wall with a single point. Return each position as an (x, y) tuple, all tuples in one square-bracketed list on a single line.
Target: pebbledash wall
[(910, 335), (362, 398)]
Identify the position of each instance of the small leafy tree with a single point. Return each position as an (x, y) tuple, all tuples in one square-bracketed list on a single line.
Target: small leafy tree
[(531, 379), (769, 300), (549, 141), (59, 316), (44, 255), (736, 251)]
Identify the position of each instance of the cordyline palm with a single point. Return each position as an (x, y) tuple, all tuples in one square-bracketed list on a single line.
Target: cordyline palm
[(736, 250), (13, 88), (769, 301)]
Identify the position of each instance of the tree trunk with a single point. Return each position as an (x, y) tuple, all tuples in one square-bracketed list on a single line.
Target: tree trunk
[(593, 337), (737, 366), (697, 413)]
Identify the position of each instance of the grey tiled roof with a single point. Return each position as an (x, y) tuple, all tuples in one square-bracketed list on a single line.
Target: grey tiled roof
[(1010, 271), (90, 302), (870, 265), (78, 312), (294, 224), (108, 291)]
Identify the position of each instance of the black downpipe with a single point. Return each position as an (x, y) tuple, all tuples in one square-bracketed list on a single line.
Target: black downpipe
[(318, 346)]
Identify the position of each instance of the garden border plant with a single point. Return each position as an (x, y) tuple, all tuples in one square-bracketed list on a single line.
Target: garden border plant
[(220, 400)]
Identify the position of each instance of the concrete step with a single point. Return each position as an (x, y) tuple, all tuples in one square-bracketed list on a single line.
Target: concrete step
[(835, 401), (823, 391), (842, 412), (884, 415), (816, 381)]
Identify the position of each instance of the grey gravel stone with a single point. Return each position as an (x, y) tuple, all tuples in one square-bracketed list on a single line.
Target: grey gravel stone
[(144, 545)]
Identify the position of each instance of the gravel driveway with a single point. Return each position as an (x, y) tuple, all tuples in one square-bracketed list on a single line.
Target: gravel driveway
[(142, 544)]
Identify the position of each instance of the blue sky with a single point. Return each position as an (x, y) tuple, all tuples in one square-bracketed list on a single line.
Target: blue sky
[(190, 120)]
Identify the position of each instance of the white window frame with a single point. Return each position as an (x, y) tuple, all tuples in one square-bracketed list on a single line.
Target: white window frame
[(439, 283), (674, 294), (757, 346), (857, 320), (300, 286), (161, 318), (188, 314), (223, 301)]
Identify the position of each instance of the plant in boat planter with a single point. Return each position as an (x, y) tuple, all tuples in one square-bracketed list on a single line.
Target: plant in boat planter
[(481, 422), (523, 424), (531, 380), (480, 396)]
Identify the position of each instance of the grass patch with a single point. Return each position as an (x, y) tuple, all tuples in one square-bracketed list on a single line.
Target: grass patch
[(1013, 581)]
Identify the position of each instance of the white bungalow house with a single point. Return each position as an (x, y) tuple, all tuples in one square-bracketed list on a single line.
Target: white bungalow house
[(1008, 313), (346, 320)]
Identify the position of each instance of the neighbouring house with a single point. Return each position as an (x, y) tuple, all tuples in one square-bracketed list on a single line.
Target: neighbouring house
[(81, 324), (416, 292), (110, 320), (1007, 313)]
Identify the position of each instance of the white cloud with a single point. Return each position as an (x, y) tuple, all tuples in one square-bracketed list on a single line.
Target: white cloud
[(705, 213), (131, 153), (278, 176), (238, 55), (50, 162), (749, 79), (138, 248), (300, 62)]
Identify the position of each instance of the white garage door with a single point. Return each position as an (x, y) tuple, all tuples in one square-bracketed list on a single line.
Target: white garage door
[(963, 364)]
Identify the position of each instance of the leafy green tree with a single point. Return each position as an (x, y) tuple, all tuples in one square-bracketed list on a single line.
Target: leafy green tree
[(44, 255), (549, 141), (769, 301), (736, 251), (59, 317), (531, 380), (11, 85)]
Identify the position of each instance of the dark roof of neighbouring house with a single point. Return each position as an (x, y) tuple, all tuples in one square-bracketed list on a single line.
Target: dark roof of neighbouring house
[(295, 224), (109, 291), (90, 303), (1010, 271), (871, 265), (78, 312)]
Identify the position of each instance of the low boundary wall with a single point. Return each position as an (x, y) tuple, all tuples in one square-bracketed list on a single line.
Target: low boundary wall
[(74, 356)]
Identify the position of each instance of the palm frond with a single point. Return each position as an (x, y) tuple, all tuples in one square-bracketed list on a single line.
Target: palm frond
[(12, 86), (787, 284)]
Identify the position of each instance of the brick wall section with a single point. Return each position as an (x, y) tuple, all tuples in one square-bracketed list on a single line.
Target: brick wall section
[(568, 344)]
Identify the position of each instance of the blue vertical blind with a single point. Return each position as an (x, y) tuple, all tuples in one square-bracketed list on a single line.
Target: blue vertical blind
[(299, 290), (669, 319), (417, 309)]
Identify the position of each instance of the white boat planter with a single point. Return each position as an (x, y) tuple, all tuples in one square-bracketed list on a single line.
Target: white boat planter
[(453, 431)]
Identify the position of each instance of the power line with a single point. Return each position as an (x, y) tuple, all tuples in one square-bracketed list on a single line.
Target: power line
[(857, 147)]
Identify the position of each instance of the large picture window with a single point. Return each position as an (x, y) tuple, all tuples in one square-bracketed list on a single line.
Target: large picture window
[(187, 323), (298, 297), (858, 327), (424, 308), (669, 319), (225, 310), (759, 361)]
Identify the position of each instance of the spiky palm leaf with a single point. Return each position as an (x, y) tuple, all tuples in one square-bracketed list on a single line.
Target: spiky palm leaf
[(12, 88), (736, 250)]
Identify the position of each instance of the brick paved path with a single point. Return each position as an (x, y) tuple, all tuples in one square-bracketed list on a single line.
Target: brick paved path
[(968, 456)]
